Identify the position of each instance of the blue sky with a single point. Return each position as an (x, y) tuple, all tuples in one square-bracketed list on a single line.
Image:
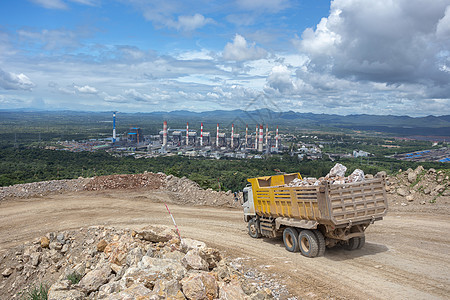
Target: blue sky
[(338, 57)]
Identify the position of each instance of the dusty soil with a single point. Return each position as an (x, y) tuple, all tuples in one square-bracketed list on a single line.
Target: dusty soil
[(406, 255)]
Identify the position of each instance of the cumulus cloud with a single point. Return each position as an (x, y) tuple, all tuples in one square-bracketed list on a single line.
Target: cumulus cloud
[(86, 89), (190, 23), (383, 41), (240, 50), (13, 81)]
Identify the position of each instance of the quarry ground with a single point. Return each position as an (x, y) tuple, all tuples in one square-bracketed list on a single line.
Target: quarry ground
[(406, 255)]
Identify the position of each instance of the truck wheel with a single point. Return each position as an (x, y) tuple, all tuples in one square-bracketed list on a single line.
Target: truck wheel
[(362, 242), (321, 242), (290, 239), (253, 228), (309, 245), (352, 244)]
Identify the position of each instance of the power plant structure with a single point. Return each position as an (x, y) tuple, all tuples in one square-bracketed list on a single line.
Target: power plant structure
[(189, 138)]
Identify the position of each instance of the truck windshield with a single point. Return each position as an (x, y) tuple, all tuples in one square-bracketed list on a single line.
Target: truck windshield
[(245, 196)]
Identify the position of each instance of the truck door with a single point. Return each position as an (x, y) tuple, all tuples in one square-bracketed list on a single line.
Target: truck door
[(248, 205)]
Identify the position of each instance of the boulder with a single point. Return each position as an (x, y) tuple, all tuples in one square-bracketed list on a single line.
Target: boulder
[(45, 242), (193, 261), (338, 170), (167, 268), (212, 257), (102, 245), (231, 291), (62, 290), (134, 256), (439, 188), (200, 286), (402, 192), (95, 278), (7, 272), (156, 233), (189, 244), (136, 291), (168, 289), (35, 258), (412, 177)]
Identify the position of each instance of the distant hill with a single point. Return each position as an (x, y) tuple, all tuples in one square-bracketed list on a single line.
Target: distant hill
[(401, 125)]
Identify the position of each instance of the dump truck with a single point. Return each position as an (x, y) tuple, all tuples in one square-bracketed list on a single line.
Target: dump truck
[(312, 218)]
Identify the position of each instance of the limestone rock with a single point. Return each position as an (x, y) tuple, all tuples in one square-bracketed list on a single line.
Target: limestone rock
[(231, 291), (337, 171), (7, 272), (212, 257), (168, 289), (156, 233), (45, 242), (200, 286), (62, 291), (412, 177), (402, 192), (134, 256), (101, 245), (193, 261), (189, 244), (136, 291), (35, 258), (410, 198), (95, 278)]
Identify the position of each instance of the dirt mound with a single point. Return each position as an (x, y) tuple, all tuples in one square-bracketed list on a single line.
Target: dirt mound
[(108, 263), (126, 181), (419, 187)]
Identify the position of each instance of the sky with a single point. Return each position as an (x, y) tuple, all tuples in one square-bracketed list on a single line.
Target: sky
[(340, 57)]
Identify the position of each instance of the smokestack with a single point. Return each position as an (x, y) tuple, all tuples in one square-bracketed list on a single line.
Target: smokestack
[(260, 142), (246, 135), (187, 133), (165, 133), (267, 135), (276, 139), (256, 138), (114, 127), (217, 136), (201, 134), (232, 135)]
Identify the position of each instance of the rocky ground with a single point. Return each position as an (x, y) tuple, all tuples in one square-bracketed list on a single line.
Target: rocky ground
[(152, 263), (182, 190), (109, 263)]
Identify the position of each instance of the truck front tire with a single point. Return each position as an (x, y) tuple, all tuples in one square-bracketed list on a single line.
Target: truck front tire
[(309, 245), (320, 242), (253, 228)]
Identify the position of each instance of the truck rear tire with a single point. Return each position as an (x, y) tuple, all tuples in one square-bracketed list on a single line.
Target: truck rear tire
[(320, 242), (290, 239), (253, 228), (352, 244), (362, 242), (309, 244)]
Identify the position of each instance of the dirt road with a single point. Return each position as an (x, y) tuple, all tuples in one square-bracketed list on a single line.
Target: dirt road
[(406, 256)]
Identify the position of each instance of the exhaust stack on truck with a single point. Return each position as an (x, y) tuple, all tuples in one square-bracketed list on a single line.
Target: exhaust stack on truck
[(311, 218)]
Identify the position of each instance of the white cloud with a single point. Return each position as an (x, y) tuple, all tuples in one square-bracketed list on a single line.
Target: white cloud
[(190, 23), (51, 39), (239, 50), (86, 89), (272, 6), (51, 4), (13, 81)]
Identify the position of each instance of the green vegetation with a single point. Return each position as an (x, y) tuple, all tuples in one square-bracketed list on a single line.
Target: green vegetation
[(37, 292), (74, 277), (22, 165)]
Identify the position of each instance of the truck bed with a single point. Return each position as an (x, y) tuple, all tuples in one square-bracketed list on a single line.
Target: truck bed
[(333, 204)]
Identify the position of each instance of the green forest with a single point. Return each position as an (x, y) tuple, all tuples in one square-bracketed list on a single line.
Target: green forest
[(25, 164)]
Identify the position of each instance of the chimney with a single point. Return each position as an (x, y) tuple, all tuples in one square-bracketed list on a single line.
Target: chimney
[(165, 133), (246, 135), (256, 138), (276, 139), (267, 136), (201, 134), (260, 143), (114, 127), (232, 135), (187, 134), (217, 136)]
